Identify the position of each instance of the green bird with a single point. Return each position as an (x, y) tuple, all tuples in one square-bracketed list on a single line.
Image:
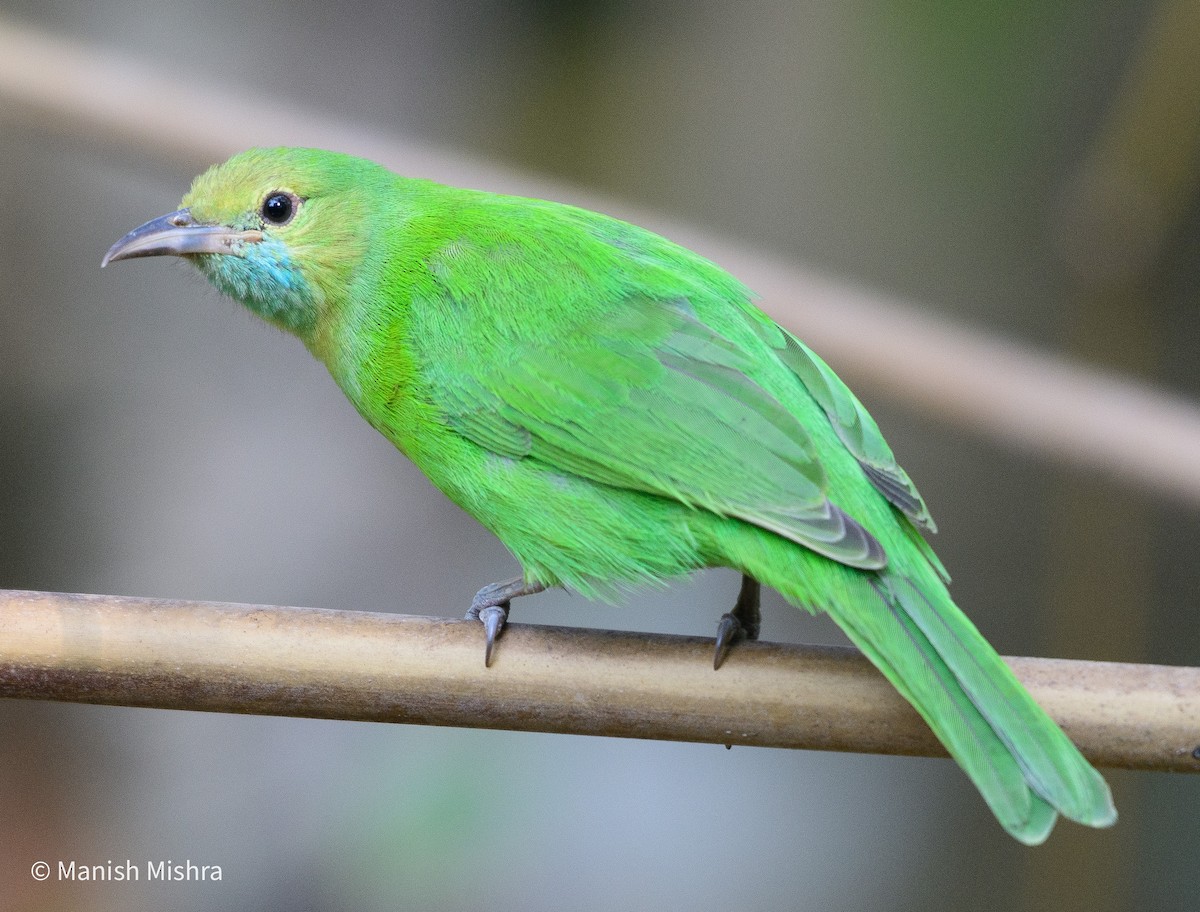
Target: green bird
[(616, 410)]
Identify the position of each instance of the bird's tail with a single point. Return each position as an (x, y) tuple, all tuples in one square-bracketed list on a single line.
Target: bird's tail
[(905, 622), (1026, 768)]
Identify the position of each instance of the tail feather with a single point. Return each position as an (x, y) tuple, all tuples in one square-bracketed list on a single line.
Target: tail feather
[(1052, 765), (1027, 770)]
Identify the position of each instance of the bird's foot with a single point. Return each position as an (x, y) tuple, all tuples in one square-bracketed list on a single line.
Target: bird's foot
[(729, 631), (490, 607), (493, 618), (743, 623)]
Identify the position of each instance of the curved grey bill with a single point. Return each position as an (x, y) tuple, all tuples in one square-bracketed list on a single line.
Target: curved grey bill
[(177, 234)]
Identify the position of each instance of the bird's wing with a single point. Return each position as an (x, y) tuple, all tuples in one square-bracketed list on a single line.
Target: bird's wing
[(652, 399), (856, 428)]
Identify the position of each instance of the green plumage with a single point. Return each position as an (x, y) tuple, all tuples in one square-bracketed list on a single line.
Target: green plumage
[(616, 410)]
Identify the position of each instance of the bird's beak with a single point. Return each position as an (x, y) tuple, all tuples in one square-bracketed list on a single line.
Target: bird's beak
[(178, 234)]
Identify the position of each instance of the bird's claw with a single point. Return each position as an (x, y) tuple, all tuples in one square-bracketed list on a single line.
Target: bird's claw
[(743, 623), (493, 619), (729, 631), (490, 607)]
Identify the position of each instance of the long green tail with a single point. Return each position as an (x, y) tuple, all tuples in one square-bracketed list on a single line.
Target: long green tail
[(1026, 768)]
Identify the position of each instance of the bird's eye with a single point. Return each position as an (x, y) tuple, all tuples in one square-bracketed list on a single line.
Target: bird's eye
[(279, 207)]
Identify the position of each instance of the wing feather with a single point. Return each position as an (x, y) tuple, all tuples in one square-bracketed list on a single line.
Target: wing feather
[(857, 429), (675, 414)]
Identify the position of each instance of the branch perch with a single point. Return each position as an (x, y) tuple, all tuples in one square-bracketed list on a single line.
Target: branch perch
[(429, 671)]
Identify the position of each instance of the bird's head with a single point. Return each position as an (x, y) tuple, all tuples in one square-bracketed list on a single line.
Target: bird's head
[(280, 230)]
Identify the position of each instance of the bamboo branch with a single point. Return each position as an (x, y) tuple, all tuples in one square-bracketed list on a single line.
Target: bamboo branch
[(1026, 398), (429, 671)]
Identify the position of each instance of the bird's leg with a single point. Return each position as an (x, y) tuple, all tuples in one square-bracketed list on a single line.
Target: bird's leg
[(743, 623), (490, 607)]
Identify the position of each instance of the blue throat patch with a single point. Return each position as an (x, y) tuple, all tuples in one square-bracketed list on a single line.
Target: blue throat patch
[(263, 277)]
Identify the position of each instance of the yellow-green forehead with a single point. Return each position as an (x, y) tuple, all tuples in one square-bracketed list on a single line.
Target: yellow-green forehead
[(238, 185)]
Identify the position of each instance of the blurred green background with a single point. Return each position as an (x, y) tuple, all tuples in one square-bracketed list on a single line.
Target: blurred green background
[(1005, 166)]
